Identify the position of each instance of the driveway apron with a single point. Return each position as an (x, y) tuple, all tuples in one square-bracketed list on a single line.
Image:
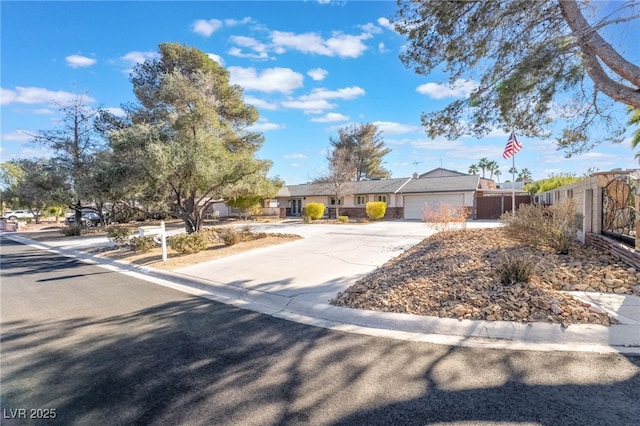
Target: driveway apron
[(328, 260)]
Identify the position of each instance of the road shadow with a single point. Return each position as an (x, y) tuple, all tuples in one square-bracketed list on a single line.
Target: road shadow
[(157, 356), (195, 361)]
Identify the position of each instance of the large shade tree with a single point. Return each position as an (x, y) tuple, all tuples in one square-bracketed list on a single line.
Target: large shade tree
[(189, 139), (521, 59), (364, 144)]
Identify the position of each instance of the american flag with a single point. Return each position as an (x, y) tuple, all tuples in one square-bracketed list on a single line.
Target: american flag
[(512, 147)]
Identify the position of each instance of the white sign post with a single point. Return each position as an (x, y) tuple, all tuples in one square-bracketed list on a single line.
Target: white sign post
[(163, 241)]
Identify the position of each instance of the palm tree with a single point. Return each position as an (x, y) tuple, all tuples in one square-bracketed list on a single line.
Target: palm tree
[(492, 166), (524, 175), (483, 164), (473, 169), (497, 172)]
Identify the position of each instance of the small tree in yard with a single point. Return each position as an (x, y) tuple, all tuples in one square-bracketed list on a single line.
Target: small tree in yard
[(74, 145), (337, 180)]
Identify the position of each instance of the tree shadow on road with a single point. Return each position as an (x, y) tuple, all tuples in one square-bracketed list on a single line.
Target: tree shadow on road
[(194, 361)]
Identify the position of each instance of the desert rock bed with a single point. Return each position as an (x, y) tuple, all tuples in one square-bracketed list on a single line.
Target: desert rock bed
[(453, 275)]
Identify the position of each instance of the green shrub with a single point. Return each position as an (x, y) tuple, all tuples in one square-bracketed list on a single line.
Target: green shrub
[(72, 231), (229, 236), (513, 270), (343, 219), (555, 226), (376, 209), (188, 243), (315, 210), (142, 244), (119, 234)]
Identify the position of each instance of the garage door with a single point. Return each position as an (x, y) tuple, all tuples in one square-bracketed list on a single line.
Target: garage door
[(413, 204)]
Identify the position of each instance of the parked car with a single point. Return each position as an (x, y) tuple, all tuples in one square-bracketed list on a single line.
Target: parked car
[(88, 219), (17, 214)]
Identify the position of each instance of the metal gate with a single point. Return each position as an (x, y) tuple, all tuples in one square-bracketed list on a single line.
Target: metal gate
[(618, 209)]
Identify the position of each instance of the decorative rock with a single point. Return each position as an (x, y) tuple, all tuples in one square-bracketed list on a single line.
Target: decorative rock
[(453, 276), (595, 309), (556, 309)]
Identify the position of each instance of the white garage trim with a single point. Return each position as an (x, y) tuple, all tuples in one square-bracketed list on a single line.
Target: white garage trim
[(413, 204)]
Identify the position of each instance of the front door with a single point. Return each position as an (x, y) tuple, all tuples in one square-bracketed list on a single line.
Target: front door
[(296, 206)]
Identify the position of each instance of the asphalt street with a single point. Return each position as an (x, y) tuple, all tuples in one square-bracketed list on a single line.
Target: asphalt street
[(90, 346)]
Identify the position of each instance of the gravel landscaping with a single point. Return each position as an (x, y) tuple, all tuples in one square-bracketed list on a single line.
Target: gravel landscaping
[(453, 275)]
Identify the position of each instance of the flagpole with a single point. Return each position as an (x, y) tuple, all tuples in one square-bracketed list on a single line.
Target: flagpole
[(513, 183)]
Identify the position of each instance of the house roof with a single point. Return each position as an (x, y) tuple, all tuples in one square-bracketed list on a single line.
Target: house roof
[(382, 186), (388, 186), (442, 184), (440, 172)]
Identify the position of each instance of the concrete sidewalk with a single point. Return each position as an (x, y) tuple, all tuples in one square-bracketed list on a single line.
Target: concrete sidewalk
[(296, 280)]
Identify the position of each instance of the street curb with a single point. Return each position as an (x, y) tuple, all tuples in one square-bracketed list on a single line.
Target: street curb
[(617, 338)]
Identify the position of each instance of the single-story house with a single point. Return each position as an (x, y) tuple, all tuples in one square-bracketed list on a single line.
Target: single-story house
[(405, 197)]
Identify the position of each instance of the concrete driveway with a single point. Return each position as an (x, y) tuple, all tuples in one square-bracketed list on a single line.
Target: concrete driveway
[(328, 260)]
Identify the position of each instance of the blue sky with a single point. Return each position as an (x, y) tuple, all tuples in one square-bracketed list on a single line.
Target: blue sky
[(309, 67)]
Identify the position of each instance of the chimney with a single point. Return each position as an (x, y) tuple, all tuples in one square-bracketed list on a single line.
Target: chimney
[(415, 175)]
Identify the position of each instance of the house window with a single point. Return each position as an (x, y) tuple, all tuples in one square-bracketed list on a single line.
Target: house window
[(361, 200), (382, 198), (569, 193), (335, 201)]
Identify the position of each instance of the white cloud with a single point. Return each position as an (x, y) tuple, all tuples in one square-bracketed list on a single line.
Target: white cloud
[(331, 117), (137, 57), (391, 128), (38, 95), (43, 111), (283, 80), (17, 136), (263, 125), (260, 103), (317, 101), (117, 111), (318, 74), (461, 88), (310, 106), (384, 22), (371, 28), (206, 28), (342, 45), (238, 53), (216, 58), (345, 93), (295, 155), (234, 22), (256, 46), (77, 61), (382, 48)]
